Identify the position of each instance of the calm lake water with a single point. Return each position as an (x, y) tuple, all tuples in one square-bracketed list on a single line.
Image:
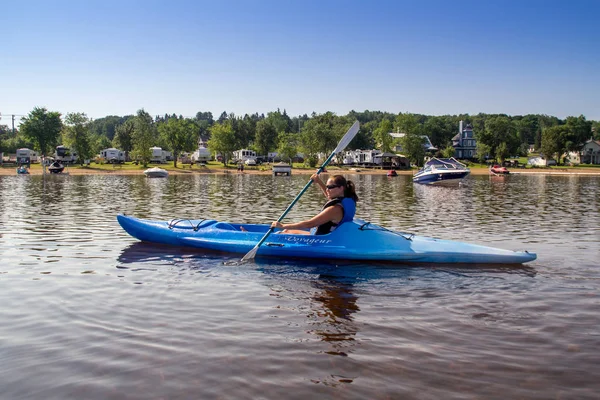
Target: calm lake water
[(87, 312)]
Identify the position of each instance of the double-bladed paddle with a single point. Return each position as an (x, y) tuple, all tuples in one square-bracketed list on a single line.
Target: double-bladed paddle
[(341, 146)]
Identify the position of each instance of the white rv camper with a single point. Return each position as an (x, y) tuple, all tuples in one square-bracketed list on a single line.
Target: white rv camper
[(64, 155), (158, 155), (26, 156), (113, 156), (202, 155), (243, 155)]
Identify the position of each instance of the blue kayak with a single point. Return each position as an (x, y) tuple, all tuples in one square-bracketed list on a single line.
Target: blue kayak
[(356, 240)]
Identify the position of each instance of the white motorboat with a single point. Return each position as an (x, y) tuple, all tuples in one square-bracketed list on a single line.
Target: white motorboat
[(441, 170), (156, 172)]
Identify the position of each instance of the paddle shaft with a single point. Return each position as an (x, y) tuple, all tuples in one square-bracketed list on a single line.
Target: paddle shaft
[(287, 210)]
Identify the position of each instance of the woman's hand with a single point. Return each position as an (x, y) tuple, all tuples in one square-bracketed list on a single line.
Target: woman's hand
[(315, 177), (277, 224)]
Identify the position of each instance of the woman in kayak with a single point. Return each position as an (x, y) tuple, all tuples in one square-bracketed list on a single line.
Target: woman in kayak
[(340, 208)]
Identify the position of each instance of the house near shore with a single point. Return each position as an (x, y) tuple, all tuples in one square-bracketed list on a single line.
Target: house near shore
[(464, 142), (590, 153)]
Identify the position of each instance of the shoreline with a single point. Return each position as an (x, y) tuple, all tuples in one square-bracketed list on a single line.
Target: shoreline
[(7, 171)]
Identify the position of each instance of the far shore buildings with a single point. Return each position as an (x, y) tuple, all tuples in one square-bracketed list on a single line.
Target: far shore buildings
[(464, 142)]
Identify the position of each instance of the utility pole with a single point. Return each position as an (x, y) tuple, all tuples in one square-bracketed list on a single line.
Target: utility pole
[(12, 117)]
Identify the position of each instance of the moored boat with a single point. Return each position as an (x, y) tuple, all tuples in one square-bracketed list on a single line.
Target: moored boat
[(498, 170), (56, 168), (355, 240), (441, 170), (156, 172), (392, 172), (22, 170)]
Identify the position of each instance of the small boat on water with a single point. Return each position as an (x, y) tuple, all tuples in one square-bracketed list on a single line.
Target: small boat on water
[(355, 240), (22, 170), (498, 170), (392, 172), (156, 172), (56, 168), (441, 170)]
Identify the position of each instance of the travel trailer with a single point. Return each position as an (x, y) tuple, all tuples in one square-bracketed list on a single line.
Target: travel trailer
[(159, 155), (202, 155), (113, 156), (362, 157), (243, 155), (64, 155), (26, 156)]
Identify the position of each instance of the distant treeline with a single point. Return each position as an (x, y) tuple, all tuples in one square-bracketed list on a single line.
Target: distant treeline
[(498, 135)]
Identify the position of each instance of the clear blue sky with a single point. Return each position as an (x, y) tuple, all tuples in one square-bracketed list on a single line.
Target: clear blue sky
[(430, 57)]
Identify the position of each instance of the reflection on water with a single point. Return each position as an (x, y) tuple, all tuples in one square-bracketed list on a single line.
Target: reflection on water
[(89, 312)]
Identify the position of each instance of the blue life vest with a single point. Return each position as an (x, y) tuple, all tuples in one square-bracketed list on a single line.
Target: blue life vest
[(348, 209)]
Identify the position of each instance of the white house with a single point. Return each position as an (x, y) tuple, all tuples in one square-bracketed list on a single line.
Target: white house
[(590, 153)]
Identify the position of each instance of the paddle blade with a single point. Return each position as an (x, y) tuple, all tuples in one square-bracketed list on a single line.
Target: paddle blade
[(251, 254), (345, 141)]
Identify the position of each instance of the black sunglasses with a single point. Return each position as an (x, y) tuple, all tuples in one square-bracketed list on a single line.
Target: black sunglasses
[(332, 186)]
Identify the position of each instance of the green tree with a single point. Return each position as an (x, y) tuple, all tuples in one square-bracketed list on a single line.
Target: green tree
[(143, 137), (100, 142), (383, 137), (499, 130), (448, 152), (76, 135), (287, 147), (483, 151), (580, 130), (266, 137), (413, 147), (42, 128), (406, 123), (246, 132), (502, 152), (123, 139), (281, 121), (321, 134), (179, 135), (440, 130), (554, 141), (222, 140), (413, 141)]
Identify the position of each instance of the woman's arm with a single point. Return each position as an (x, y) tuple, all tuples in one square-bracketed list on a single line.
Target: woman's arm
[(315, 178), (334, 214)]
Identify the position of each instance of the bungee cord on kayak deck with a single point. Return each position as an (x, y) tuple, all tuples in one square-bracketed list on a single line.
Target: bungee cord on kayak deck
[(173, 223), (367, 226)]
